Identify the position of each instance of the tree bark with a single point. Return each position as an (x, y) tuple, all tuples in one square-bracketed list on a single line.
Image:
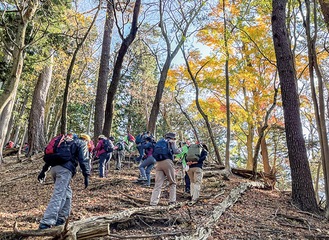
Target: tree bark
[(318, 96), (103, 74), (302, 188), (36, 135), (116, 76)]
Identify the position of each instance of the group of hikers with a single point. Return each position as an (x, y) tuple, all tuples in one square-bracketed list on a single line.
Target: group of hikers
[(65, 152)]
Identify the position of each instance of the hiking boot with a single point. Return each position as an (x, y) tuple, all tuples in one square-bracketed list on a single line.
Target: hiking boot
[(44, 226), (60, 221), (141, 179)]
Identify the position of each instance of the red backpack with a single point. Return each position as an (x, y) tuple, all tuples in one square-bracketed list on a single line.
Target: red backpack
[(50, 148)]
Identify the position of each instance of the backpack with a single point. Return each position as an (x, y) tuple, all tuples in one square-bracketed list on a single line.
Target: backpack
[(120, 146), (107, 145), (138, 139), (193, 152), (131, 138), (162, 151), (58, 150)]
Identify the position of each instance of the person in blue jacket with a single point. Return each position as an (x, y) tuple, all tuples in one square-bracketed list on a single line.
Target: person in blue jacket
[(59, 206)]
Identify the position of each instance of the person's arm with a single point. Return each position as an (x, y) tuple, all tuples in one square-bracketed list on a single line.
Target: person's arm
[(83, 158)]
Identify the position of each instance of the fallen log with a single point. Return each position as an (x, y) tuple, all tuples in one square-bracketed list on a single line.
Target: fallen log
[(204, 232), (98, 226)]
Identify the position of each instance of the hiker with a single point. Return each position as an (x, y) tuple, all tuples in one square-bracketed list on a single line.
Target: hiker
[(148, 162), (165, 167), (119, 154), (182, 157), (110, 154), (195, 172), (139, 146), (103, 149), (10, 144), (90, 146), (64, 160)]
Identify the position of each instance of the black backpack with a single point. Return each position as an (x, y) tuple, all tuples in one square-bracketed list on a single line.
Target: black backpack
[(59, 150), (107, 145)]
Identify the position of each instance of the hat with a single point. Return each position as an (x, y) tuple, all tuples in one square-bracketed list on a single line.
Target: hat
[(101, 136), (85, 136), (171, 135)]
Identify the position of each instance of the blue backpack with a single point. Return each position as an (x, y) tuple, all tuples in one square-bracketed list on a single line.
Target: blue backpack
[(162, 151), (107, 145), (138, 139)]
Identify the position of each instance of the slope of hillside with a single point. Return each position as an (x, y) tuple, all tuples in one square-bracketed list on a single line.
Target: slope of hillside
[(230, 209)]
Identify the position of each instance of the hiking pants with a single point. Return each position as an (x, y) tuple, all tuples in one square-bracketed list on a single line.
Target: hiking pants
[(195, 174), (164, 169), (106, 164), (140, 151), (59, 206), (102, 161), (145, 168), (120, 158)]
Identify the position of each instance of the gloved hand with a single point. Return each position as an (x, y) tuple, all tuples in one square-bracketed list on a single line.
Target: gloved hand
[(41, 176), (86, 181)]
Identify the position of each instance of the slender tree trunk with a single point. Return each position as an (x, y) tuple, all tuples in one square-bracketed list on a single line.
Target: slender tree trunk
[(36, 135), (303, 195), (103, 74), (8, 96), (169, 57), (203, 114), (117, 70), (70, 72), (318, 101), (227, 94)]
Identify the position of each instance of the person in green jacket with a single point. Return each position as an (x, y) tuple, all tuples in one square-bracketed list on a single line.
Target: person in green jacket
[(182, 156)]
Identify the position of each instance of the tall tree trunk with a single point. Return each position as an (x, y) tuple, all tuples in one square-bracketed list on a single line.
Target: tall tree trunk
[(36, 135), (227, 95), (103, 74), (303, 195), (318, 101), (70, 72), (116, 76), (169, 57), (8, 96)]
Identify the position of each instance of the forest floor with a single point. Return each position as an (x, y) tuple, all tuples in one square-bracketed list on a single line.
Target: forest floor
[(225, 210)]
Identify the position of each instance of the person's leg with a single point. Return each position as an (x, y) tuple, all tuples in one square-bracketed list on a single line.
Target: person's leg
[(121, 155), (142, 169), (198, 174), (102, 159), (159, 179), (170, 174), (150, 164), (108, 158), (190, 174), (65, 211), (141, 152), (62, 177), (187, 183)]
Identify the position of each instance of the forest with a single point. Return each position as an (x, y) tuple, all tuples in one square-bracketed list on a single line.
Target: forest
[(247, 78)]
